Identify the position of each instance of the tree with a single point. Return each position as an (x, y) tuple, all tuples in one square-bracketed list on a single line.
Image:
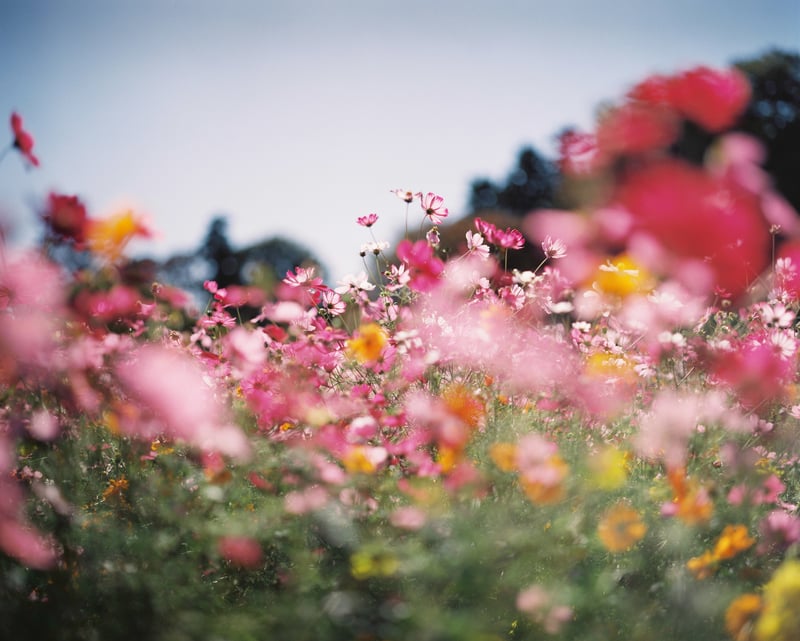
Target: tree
[(530, 185)]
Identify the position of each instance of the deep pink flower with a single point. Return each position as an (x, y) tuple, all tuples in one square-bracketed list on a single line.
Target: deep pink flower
[(424, 268), (509, 238), (485, 228), (23, 141), (758, 373), (432, 204)]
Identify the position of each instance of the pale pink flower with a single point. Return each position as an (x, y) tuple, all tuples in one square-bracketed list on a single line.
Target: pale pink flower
[(308, 500), (358, 282), (432, 205), (406, 196), (408, 518), (475, 245), (553, 247), (245, 350), (171, 386), (43, 426)]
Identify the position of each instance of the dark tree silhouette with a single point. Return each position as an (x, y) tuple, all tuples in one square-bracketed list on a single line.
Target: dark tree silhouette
[(530, 185), (218, 251), (773, 116)]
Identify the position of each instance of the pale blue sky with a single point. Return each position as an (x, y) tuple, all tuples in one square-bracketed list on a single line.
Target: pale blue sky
[(295, 117)]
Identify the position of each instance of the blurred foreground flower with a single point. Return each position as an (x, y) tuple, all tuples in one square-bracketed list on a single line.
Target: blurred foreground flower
[(107, 237)]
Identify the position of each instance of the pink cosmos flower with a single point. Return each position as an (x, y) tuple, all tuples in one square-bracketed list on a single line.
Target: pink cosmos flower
[(778, 530), (23, 141), (333, 303), (432, 204), (368, 220), (302, 277), (486, 229)]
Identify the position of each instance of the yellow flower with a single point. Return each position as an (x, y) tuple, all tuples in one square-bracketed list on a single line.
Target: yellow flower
[(364, 565), (780, 620), (620, 528), (610, 366), (367, 343), (622, 276), (356, 460), (741, 615), (609, 468)]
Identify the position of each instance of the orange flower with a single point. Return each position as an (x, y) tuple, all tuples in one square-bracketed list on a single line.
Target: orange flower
[(543, 484), (463, 404), (741, 615), (504, 456), (107, 237), (692, 503), (734, 539), (702, 566), (620, 528), (115, 488)]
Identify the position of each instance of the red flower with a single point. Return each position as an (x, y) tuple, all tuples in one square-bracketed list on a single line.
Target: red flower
[(712, 98), (23, 140), (66, 217), (700, 218), (635, 128)]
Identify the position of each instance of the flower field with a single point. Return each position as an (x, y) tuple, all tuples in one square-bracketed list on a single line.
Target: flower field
[(603, 447)]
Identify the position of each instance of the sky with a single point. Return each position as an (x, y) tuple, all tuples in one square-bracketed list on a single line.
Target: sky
[(295, 117)]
